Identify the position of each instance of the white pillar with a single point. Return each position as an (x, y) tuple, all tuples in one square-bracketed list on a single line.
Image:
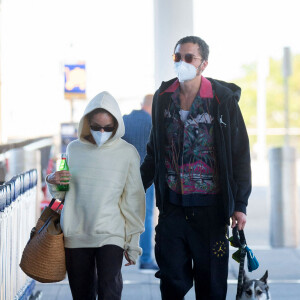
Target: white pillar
[(283, 193), (173, 20)]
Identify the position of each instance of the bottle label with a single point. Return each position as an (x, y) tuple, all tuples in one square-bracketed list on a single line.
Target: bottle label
[(63, 166)]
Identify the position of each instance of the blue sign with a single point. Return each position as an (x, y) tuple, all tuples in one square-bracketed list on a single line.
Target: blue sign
[(75, 80)]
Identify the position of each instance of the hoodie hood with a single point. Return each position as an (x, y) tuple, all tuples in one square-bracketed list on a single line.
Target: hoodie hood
[(105, 101), (226, 89)]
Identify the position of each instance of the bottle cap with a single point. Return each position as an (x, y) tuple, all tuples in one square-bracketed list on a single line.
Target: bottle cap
[(63, 156)]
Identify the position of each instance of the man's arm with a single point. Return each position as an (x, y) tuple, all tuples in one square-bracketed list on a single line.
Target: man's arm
[(148, 165), (241, 164)]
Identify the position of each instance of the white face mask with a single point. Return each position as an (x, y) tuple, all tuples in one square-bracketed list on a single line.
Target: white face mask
[(100, 137), (185, 71)]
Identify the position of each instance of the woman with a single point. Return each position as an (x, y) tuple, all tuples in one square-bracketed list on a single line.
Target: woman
[(104, 208)]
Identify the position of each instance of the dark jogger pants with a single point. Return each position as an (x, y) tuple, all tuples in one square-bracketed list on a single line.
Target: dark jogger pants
[(191, 245), (92, 270)]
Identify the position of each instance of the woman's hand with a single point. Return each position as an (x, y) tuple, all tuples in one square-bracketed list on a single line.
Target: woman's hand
[(59, 177), (130, 262)]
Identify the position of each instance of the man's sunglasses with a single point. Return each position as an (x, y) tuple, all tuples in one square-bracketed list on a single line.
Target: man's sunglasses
[(105, 128), (187, 57)]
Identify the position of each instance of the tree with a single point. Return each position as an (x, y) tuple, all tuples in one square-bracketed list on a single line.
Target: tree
[(275, 100)]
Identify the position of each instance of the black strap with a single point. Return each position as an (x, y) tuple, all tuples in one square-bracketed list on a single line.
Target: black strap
[(238, 237), (240, 240), (241, 274), (45, 224), (52, 202)]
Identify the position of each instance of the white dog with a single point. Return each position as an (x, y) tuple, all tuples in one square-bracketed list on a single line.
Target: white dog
[(255, 289)]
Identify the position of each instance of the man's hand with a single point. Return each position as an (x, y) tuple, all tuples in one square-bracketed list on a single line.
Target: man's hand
[(239, 219)]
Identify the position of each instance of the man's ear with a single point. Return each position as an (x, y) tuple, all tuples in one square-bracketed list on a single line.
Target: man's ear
[(204, 65)]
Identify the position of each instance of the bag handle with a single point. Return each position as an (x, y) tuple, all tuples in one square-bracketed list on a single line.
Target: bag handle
[(50, 205), (53, 201), (33, 230)]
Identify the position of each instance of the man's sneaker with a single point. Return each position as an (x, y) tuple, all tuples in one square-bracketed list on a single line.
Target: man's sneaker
[(149, 266)]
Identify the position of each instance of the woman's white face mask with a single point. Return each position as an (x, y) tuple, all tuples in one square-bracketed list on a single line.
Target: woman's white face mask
[(100, 137)]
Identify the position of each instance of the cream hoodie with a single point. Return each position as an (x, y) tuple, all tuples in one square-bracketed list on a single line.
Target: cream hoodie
[(105, 203)]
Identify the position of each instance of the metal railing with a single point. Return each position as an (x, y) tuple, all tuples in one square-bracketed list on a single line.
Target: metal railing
[(18, 157), (18, 198)]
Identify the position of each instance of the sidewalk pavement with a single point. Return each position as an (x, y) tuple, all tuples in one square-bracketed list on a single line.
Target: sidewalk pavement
[(283, 264)]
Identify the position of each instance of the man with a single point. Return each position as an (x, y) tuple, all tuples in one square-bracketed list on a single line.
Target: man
[(199, 159), (137, 131)]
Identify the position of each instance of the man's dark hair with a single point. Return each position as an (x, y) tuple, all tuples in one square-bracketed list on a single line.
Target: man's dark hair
[(203, 47)]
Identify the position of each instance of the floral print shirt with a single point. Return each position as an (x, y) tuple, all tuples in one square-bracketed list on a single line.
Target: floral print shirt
[(190, 152)]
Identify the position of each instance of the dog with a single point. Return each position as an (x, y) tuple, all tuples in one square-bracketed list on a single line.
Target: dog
[(255, 289)]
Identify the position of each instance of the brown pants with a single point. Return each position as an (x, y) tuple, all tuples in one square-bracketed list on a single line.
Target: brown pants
[(93, 271)]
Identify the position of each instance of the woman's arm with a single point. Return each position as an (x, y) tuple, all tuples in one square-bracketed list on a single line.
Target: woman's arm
[(133, 209), (58, 178), (55, 179)]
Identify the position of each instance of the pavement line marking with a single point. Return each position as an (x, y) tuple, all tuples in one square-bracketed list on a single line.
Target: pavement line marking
[(229, 281), (274, 281), (132, 282), (268, 247)]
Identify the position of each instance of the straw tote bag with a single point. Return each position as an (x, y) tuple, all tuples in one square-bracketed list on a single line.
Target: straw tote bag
[(43, 257)]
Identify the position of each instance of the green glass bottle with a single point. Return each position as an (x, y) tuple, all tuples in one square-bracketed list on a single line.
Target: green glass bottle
[(63, 166)]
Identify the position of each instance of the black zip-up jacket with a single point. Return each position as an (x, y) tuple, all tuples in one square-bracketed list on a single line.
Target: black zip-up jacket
[(231, 142)]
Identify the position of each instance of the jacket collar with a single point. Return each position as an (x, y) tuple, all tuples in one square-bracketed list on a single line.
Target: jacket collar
[(205, 90)]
